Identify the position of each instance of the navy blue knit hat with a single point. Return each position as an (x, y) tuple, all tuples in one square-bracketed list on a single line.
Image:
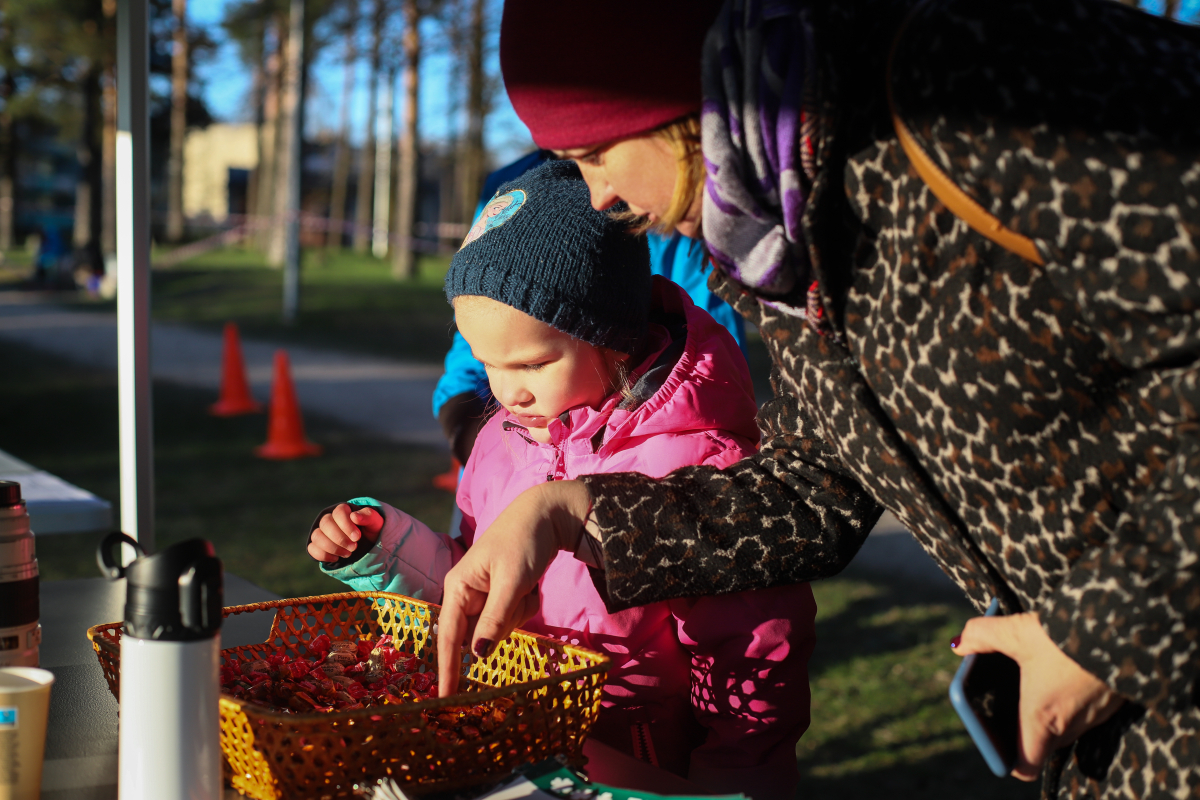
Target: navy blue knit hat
[(540, 247)]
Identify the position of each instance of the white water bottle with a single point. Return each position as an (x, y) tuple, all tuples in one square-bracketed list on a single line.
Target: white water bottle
[(169, 738)]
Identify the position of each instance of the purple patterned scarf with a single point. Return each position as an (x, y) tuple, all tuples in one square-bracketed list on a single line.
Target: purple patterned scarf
[(757, 146)]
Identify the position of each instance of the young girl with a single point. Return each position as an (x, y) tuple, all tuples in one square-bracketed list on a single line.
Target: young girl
[(597, 368)]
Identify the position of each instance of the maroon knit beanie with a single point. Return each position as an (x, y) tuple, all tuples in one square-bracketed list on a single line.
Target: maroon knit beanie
[(583, 73)]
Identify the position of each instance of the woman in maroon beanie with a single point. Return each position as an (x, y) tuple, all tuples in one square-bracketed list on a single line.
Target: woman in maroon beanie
[(968, 235)]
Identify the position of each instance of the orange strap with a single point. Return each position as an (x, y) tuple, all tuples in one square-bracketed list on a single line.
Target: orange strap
[(945, 189)]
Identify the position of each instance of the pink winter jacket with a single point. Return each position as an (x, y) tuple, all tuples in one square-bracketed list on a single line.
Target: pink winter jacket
[(713, 688)]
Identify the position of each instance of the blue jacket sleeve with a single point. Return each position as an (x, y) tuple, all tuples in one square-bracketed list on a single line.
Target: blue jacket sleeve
[(462, 374), (681, 260)]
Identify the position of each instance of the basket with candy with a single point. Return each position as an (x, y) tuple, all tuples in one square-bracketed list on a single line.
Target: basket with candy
[(344, 692)]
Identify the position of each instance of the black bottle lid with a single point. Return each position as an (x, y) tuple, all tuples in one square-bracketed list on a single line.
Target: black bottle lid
[(10, 494), (176, 594)]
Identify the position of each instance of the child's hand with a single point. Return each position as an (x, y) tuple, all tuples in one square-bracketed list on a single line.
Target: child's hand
[(339, 533)]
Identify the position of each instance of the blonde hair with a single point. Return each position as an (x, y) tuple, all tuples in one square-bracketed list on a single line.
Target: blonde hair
[(683, 137)]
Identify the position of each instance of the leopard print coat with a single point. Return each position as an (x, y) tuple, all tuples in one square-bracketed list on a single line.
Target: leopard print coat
[(1035, 428)]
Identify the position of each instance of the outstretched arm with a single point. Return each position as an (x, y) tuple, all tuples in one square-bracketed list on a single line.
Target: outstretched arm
[(784, 515), (789, 513)]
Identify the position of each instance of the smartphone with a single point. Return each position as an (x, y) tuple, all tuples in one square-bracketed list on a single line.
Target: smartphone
[(986, 693)]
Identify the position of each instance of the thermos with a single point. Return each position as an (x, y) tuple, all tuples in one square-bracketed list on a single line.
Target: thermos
[(20, 631), (169, 736)]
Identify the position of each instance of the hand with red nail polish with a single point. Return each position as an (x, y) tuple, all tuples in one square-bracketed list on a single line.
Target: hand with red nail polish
[(494, 587), (1060, 700)]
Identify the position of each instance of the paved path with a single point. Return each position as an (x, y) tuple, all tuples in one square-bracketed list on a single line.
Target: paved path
[(382, 395), (388, 397)]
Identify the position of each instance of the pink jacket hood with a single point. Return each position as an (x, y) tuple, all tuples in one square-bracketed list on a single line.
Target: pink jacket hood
[(707, 389)]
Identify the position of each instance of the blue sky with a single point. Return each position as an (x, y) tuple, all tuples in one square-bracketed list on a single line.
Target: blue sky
[(226, 84)]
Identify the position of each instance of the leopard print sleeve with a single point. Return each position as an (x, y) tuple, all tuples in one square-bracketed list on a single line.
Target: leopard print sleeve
[(788, 514), (1128, 611), (1106, 180)]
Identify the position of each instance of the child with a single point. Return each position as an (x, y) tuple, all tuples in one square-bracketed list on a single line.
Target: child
[(597, 368)]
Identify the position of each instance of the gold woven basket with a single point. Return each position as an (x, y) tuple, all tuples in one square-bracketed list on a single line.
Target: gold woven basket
[(555, 688)]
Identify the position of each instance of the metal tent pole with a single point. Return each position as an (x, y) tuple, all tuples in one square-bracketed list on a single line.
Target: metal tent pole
[(133, 272), (383, 169)]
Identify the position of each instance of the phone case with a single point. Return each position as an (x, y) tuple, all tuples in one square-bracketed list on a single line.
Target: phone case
[(1001, 764)]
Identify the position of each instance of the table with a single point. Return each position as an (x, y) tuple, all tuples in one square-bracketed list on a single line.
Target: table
[(81, 743), (54, 505)]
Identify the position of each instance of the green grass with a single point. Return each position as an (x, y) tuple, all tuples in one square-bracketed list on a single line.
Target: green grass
[(62, 418), (346, 301), (882, 724), (15, 265)]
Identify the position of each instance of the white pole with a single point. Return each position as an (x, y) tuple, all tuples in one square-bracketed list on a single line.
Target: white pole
[(383, 170), (133, 273), (292, 145)]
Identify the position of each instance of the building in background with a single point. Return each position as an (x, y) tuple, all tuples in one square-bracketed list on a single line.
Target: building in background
[(217, 162)]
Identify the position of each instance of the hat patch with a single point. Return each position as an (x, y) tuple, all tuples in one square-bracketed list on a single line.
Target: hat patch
[(498, 211)]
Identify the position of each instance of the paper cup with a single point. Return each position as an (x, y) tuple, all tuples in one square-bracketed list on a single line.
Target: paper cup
[(24, 709)]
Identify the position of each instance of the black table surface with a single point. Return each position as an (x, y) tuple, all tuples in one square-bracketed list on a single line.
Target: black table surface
[(81, 741)]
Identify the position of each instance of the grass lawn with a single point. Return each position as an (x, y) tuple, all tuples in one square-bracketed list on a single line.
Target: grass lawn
[(346, 300), (882, 725)]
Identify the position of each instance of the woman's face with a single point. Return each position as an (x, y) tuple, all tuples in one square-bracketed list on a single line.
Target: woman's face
[(641, 171), (535, 371)]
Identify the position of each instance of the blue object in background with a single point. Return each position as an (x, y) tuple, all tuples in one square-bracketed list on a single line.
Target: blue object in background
[(676, 257), (681, 260)]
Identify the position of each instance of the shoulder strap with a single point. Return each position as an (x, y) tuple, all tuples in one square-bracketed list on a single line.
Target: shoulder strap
[(945, 189)]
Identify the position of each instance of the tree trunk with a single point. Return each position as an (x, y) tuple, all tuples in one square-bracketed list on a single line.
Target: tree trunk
[(1171, 9), (179, 98), (257, 91), (89, 191), (108, 165), (341, 165), (8, 153), (383, 171), (287, 171), (268, 136), (449, 181), (473, 157), (366, 162), (403, 257), (287, 233)]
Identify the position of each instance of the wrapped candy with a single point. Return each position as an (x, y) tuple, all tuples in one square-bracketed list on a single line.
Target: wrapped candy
[(349, 674)]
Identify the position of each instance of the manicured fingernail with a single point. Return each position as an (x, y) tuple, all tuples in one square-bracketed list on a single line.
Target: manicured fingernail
[(483, 647), (955, 642)]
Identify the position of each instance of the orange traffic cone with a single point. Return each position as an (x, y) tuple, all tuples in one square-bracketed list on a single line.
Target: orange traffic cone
[(448, 481), (235, 389), (285, 428)]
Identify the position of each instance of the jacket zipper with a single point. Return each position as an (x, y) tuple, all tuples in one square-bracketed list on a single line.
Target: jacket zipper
[(560, 470)]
